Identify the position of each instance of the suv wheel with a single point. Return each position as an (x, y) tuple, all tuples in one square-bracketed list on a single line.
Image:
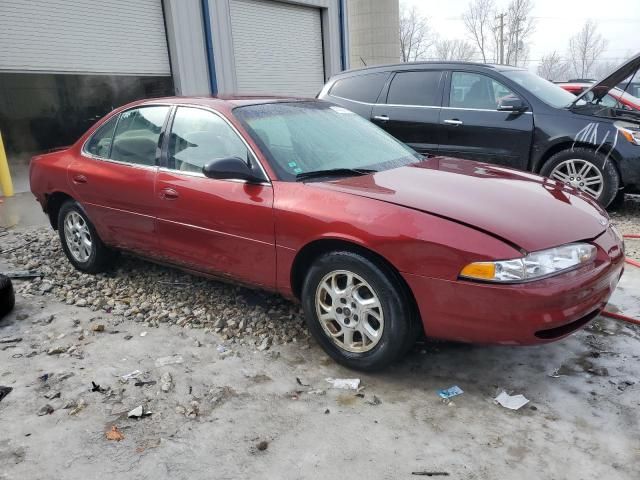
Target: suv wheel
[(80, 241), (587, 170), (358, 311)]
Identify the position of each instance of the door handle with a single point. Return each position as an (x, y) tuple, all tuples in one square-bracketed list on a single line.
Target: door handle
[(381, 118), (79, 179), (454, 121), (169, 194)]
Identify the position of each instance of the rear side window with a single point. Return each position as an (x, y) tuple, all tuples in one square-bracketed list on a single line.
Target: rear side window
[(137, 135), (415, 88), (363, 88), (100, 143)]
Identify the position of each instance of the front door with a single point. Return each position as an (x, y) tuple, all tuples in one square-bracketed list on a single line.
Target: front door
[(412, 108), (114, 179), (222, 227), (474, 128)]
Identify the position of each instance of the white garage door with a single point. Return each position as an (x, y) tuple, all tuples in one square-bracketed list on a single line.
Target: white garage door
[(79, 36), (277, 47)]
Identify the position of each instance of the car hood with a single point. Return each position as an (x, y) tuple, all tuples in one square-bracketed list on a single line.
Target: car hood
[(526, 210), (602, 87)]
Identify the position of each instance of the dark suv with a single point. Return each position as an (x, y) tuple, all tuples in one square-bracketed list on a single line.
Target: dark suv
[(505, 115)]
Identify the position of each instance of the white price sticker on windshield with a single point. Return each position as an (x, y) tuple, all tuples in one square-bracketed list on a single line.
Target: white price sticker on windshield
[(341, 110)]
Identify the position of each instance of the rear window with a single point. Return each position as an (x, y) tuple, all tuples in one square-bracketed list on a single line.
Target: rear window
[(415, 88), (363, 88)]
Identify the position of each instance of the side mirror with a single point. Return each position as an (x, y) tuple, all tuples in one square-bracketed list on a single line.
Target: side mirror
[(511, 104), (230, 168)]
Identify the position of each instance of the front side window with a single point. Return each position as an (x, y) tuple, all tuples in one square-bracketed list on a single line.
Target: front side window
[(137, 135), (199, 136), (415, 88), (302, 137), (100, 143), (548, 92), (363, 88), (472, 90)]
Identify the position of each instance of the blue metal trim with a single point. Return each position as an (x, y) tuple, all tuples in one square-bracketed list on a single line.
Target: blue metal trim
[(343, 33), (213, 82)]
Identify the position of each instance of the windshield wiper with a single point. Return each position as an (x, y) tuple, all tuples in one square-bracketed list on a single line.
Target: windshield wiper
[(334, 172)]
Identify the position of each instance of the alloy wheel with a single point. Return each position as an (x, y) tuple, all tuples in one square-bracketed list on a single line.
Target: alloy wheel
[(77, 236), (580, 174), (349, 311)]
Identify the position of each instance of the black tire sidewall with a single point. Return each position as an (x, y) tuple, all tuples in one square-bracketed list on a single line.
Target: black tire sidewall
[(7, 295), (96, 260), (398, 316), (604, 164)]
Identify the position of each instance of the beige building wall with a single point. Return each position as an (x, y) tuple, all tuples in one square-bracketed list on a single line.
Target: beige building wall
[(373, 32)]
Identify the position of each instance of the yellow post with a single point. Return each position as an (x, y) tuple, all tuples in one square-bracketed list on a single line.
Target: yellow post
[(5, 176)]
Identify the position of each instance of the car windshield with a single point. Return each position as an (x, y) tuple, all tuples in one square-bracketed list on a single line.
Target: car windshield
[(548, 92), (303, 137)]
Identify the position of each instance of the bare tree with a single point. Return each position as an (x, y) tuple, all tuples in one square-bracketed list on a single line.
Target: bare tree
[(454, 50), (585, 47), (519, 28), (415, 35), (603, 68), (478, 20), (553, 67)]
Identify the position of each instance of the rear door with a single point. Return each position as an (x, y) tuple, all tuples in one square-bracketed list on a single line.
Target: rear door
[(358, 93), (114, 178), (411, 110), (474, 128)]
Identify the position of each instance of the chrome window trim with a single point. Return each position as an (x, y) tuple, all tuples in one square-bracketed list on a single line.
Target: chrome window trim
[(485, 110), (235, 130), (83, 149), (202, 175)]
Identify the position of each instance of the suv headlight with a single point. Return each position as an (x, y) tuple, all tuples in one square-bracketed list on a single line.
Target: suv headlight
[(535, 265), (629, 131)]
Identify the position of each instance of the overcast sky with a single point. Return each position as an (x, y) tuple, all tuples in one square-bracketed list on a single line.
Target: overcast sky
[(556, 21)]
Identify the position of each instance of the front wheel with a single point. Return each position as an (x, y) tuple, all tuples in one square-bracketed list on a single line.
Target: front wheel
[(80, 241), (592, 172), (358, 310)]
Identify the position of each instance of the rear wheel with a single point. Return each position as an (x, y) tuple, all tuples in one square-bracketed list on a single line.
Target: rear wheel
[(358, 311), (80, 241), (587, 170)]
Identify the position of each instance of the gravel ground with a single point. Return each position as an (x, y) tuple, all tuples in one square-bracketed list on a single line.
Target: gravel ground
[(154, 294), (627, 219)]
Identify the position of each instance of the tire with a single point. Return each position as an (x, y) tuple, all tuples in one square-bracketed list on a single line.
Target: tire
[(7, 296), (89, 259), (597, 164), (394, 320)]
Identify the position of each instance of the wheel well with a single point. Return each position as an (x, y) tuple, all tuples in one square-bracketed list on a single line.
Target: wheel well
[(54, 202), (310, 252), (566, 146)]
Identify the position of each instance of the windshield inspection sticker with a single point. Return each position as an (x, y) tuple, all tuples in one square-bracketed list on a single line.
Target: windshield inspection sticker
[(341, 110)]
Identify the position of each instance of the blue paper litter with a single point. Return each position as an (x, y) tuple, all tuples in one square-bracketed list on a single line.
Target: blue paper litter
[(450, 392)]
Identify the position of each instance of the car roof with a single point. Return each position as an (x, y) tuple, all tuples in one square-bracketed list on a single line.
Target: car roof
[(224, 102), (430, 64)]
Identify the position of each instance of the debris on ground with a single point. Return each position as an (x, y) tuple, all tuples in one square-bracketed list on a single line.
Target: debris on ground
[(374, 402), (327, 411), (4, 391), (143, 334), (10, 339), (512, 402), (139, 412), (166, 382), (97, 327), (194, 409), (131, 375), (262, 445), (447, 393), (52, 395), (57, 350), (344, 383), (22, 274), (97, 388), (114, 434), (45, 410), (79, 406), (431, 474), (299, 382), (172, 360), (143, 383)]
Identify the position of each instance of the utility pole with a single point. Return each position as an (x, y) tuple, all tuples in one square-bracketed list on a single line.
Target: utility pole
[(501, 46)]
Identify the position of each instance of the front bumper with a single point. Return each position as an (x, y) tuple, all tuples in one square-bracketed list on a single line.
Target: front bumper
[(520, 314)]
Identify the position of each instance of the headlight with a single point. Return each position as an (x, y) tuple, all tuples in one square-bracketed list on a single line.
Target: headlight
[(535, 265), (629, 131)]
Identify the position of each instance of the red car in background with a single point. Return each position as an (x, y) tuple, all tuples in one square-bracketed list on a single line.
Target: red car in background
[(312, 201), (614, 97)]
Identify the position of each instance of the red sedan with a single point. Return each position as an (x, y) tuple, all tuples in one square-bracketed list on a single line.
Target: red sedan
[(312, 201), (615, 96)]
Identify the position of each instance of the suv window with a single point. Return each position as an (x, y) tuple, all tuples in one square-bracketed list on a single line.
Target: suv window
[(199, 136), (415, 88), (363, 88), (137, 135), (472, 90), (100, 143)]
